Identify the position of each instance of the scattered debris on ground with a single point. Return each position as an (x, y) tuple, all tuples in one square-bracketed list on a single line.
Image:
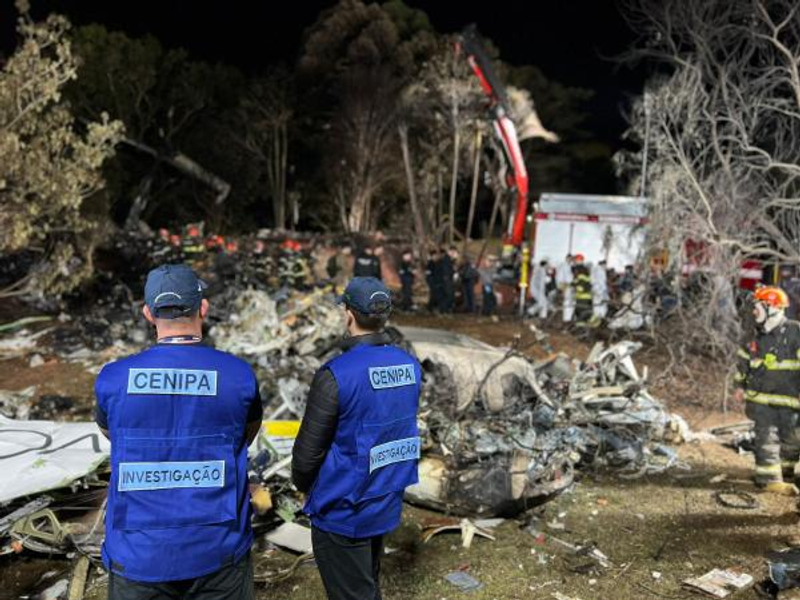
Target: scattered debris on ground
[(503, 434)]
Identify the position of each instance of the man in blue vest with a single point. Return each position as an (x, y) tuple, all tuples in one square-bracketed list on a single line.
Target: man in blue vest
[(358, 446), (180, 416)]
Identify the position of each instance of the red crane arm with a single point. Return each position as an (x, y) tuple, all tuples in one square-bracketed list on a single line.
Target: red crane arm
[(504, 129)]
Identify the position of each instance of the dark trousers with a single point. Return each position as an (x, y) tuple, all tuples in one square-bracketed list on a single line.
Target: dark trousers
[(234, 582), (435, 295), (777, 447), (448, 298), (406, 294), (469, 295), (489, 301), (583, 310), (349, 567)]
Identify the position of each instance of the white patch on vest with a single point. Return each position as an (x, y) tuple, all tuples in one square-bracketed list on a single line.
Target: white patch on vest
[(392, 376), (170, 475), (181, 382), (394, 452)]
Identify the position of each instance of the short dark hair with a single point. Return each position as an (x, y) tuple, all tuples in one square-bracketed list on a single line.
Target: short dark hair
[(176, 314), (372, 323)]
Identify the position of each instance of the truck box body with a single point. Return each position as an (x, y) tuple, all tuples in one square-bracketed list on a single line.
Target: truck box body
[(599, 227)]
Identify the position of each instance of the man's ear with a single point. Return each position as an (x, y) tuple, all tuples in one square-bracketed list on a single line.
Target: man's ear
[(203, 309), (148, 315)]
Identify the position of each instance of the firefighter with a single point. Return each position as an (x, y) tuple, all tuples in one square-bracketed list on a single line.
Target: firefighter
[(768, 379), (293, 267), (582, 283), (192, 245)]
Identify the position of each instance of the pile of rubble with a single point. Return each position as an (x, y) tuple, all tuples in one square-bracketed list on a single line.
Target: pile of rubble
[(503, 434)]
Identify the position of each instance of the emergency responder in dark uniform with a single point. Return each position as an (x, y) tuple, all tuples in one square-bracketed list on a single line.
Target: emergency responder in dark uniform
[(407, 277), (365, 263), (582, 282), (180, 417), (377, 258), (292, 266), (358, 446), (768, 376), (433, 279), (447, 273), (469, 276)]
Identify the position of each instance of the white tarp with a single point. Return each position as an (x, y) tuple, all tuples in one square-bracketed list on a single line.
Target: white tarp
[(37, 456)]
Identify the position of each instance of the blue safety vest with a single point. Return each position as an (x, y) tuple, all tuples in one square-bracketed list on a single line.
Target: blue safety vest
[(374, 454), (178, 499)]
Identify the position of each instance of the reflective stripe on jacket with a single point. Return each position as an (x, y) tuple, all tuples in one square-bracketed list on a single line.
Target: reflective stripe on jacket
[(768, 367)]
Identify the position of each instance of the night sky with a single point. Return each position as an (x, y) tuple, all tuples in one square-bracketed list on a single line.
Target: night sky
[(572, 41)]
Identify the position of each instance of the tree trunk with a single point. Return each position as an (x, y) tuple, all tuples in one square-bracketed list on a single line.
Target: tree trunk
[(474, 193), (454, 183), (134, 218), (186, 166), (422, 238), (278, 208), (498, 195), (439, 202), (284, 159), (358, 210)]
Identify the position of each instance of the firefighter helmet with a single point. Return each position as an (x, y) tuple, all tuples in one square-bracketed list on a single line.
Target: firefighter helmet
[(579, 258), (772, 296)]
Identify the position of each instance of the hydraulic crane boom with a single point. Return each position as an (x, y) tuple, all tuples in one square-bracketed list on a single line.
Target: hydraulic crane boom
[(470, 45)]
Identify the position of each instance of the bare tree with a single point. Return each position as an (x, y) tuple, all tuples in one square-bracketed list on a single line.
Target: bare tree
[(722, 124), (456, 99), (362, 156), (265, 115)]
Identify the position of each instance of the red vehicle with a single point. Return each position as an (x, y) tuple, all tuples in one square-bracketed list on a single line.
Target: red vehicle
[(697, 258)]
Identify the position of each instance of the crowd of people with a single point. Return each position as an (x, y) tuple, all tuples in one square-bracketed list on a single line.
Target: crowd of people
[(583, 291), (452, 281), (446, 281)]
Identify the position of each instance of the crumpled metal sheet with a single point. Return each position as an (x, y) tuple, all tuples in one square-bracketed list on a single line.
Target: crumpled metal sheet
[(254, 326), (496, 450), (482, 370)]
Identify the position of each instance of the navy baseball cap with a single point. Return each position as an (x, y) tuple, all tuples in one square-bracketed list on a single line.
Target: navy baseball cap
[(173, 291), (367, 295)]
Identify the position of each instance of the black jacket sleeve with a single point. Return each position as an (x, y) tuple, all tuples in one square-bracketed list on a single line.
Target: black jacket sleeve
[(316, 431)]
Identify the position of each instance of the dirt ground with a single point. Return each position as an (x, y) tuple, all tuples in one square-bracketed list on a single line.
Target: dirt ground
[(656, 531)]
